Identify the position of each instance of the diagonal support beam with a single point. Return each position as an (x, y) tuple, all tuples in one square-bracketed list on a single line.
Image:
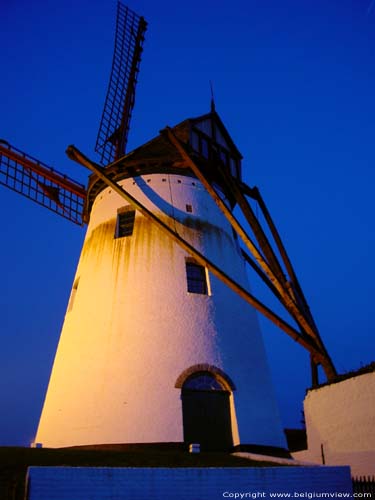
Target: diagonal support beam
[(306, 342), (259, 272), (306, 324), (241, 190), (226, 211), (292, 287), (255, 194), (253, 222), (287, 301)]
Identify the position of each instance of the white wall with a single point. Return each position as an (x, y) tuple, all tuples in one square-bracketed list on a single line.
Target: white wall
[(67, 483), (134, 328), (341, 417)]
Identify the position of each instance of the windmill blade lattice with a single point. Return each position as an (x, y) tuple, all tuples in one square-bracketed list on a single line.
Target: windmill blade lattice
[(115, 121), (44, 185)]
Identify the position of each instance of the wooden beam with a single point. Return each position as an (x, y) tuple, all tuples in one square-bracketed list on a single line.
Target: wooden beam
[(287, 301), (301, 300), (47, 172), (294, 288), (308, 343), (253, 222), (223, 207), (306, 325), (314, 373), (254, 193)]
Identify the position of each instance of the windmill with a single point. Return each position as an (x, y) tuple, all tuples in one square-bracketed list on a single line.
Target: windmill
[(172, 200)]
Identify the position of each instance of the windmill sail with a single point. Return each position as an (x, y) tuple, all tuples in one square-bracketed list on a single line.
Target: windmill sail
[(44, 185), (115, 121)]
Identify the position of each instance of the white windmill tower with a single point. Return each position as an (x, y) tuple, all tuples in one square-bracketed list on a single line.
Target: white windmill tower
[(158, 344), (154, 347)]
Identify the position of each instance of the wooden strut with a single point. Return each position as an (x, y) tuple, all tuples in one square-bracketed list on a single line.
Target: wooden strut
[(286, 299), (226, 211), (293, 287), (292, 307), (261, 237), (255, 226), (306, 342), (254, 193), (51, 175)]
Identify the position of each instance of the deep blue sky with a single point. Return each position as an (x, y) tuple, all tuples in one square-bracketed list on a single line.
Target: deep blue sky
[(294, 83)]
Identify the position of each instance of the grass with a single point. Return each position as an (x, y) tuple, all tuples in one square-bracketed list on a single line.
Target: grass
[(14, 462)]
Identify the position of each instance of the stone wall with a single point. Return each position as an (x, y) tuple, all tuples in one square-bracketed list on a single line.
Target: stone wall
[(78, 483)]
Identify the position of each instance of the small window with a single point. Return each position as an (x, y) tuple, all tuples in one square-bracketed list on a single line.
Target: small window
[(204, 147), (189, 208), (233, 167), (125, 223), (195, 141), (224, 157), (196, 278), (73, 294), (203, 382)]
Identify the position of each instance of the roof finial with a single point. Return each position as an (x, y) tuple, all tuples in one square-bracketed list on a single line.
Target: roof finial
[(212, 98)]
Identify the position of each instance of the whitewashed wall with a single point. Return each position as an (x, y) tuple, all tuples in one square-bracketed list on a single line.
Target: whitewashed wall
[(67, 483), (341, 418), (133, 328)]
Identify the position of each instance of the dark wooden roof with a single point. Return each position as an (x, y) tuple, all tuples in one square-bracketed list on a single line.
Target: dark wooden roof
[(214, 116), (155, 156)]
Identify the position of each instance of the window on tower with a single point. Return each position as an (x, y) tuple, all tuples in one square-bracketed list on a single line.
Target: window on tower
[(214, 147), (203, 381), (125, 223), (73, 294), (196, 278)]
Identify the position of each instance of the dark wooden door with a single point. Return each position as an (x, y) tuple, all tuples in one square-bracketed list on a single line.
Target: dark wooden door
[(206, 418)]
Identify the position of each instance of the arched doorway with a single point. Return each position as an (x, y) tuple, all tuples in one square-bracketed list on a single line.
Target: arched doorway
[(206, 411)]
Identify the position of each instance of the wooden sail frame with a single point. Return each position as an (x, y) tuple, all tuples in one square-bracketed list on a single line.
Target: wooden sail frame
[(119, 102), (45, 185)]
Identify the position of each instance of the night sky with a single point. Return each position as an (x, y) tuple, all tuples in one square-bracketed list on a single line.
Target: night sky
[(294, 83)]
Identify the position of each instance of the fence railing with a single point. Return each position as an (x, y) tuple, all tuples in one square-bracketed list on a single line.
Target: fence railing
[(364, 484)]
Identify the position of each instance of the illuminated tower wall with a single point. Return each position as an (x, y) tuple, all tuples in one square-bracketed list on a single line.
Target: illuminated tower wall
[(149, 335)]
